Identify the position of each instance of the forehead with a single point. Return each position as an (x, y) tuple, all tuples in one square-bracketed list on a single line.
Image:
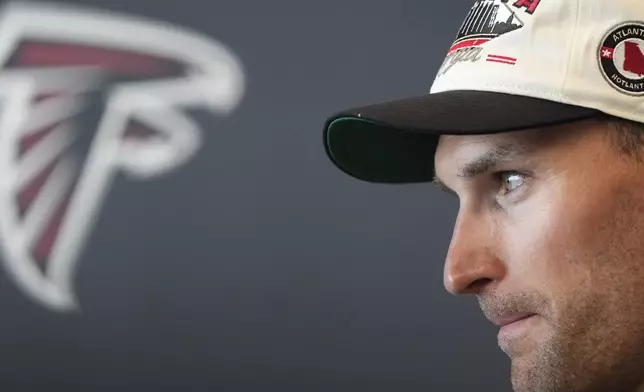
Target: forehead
[(452, 149), (539, 137)]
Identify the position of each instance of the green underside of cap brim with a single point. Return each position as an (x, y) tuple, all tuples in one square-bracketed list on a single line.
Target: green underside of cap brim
[(377, 152)]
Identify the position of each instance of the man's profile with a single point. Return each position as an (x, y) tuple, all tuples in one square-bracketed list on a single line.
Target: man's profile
[(538, 130)]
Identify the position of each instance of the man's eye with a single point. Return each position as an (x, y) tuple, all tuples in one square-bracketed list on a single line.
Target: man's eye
[(510, 181)]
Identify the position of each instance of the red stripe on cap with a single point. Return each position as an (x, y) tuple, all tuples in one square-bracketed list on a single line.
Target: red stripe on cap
[(497, 57), (468, 43), (501, 61)]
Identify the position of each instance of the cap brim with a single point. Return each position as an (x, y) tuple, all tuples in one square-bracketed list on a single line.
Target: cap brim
[(395, 142)]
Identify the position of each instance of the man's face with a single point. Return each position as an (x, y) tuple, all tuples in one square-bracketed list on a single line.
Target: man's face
[(551, 224)]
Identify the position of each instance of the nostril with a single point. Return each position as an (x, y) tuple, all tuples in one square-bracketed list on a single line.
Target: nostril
[(478, 285)]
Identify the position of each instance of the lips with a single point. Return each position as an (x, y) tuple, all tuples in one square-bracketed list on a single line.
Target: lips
[(510, 318)]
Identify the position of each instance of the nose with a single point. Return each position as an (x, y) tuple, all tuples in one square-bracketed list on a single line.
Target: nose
[(472, 263)]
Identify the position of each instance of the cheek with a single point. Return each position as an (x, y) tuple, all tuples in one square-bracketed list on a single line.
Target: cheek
[(578, 247), (546, 241)]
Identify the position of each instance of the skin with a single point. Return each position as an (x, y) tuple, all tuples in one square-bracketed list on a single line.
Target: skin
[(552, 224)]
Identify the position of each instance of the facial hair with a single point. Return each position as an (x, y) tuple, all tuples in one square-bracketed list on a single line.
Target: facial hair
[(579, 354)]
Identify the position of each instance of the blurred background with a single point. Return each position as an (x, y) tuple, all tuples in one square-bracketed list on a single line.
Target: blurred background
[(169, 219)]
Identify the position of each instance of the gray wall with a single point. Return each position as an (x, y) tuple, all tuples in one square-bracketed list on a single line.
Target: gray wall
[(258, 265)]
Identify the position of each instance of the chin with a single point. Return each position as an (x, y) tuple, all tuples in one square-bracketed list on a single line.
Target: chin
[(523, 376), (541, 371), (538, 370)]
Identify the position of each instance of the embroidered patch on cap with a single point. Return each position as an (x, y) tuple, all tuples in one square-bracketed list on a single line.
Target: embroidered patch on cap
[(621, 58)]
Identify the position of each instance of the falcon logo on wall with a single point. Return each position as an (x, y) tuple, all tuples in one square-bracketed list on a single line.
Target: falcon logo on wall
[(85, 94)]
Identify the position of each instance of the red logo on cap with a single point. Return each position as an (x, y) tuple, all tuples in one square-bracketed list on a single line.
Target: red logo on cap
[(530, 5), (489, 19), (633, 58)]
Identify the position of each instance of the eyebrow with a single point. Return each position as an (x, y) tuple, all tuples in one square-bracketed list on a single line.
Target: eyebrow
[(489, 160)]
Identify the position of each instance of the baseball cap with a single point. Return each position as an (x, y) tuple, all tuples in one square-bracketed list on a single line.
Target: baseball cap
[(514, 65)]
